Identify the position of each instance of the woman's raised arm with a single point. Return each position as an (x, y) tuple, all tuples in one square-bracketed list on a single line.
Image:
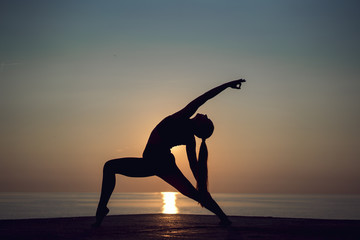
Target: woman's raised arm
[(193, 106)]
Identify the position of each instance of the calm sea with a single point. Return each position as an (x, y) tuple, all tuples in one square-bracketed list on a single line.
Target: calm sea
[(52, 205)]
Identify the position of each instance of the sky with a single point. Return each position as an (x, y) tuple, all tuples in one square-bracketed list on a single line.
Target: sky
[(83, 82)]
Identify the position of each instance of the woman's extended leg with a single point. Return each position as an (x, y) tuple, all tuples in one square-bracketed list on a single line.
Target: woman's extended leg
[(131, 167), (183, 185)]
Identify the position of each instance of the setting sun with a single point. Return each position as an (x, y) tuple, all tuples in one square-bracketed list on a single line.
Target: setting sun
[(169, 201)]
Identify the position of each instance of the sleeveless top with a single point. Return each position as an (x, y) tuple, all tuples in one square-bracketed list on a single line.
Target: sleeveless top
[(172, 131)]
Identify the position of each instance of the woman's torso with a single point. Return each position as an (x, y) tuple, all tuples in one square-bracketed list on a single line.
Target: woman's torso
[(171, 131)]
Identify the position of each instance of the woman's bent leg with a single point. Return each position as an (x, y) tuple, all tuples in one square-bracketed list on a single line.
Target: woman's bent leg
[(131, 167)]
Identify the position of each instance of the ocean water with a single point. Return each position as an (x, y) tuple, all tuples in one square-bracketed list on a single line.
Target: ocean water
[(52, 205)]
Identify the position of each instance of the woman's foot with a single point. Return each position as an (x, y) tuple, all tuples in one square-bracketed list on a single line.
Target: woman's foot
[(100, 215)]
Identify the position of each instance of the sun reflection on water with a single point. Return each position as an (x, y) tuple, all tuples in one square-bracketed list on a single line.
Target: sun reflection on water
[(169, 201)]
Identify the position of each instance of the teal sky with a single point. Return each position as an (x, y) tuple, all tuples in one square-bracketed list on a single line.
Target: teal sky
[(82, 82)]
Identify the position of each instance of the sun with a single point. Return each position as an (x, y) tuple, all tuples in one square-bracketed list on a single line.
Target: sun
[(169, 201)]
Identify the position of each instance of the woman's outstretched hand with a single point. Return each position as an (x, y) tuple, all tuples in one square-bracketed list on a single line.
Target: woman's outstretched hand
[(236, 84)]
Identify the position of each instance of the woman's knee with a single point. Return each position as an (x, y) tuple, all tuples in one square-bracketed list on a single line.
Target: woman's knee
[(109, 167)]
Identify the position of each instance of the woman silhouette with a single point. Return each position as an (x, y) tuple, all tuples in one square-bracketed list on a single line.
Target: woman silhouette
[(157, 160)]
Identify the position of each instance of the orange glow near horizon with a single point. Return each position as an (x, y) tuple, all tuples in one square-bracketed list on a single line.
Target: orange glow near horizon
[(169, 201)]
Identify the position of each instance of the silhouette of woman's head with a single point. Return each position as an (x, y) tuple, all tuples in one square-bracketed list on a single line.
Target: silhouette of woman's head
[(203, 126)]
